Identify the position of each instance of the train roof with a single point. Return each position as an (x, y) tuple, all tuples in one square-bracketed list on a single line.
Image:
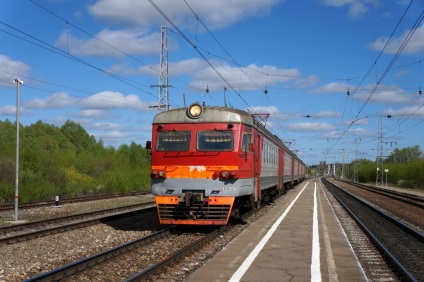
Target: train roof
[(213, 114), (210, 114)]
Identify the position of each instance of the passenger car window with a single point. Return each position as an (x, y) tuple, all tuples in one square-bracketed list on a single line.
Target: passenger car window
[(173, 141), (215, 140)]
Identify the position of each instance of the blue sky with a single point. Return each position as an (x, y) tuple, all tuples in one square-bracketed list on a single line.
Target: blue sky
[(96, 63)]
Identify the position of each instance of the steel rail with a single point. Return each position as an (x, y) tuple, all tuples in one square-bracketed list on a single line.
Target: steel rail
[(155, 268), (400, 196), (69, 269), (399, 268), (6, 207), (146, 207)]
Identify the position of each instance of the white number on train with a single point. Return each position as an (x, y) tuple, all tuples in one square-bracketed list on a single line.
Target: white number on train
[(229, 189)]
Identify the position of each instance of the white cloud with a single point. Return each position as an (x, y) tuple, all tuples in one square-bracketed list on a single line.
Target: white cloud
[(10, 69), (333, 87), (215, 14), (309, 126), (383, 94), (272, 110), (93, 113), (332, 135), (356, 8), (55, 101), (415, 44), (113, 135), (8, 111), (361, 132), (251, 77), (358, 121), (123, 41), (416, 111), (327, 114), (113, 100), (179, 68), (107, 126)]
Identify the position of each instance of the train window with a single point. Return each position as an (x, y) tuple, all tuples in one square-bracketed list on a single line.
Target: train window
[(173, 141), (245, 145), (215, 140)]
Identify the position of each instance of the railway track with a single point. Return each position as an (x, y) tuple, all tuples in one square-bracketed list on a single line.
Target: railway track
[(404, 206), (402, 246), (7, 207), (148, 264), (27, 231), (414, 200)]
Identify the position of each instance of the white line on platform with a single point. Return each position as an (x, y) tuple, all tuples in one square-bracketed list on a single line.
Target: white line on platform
[(249, 260), (315, 264)]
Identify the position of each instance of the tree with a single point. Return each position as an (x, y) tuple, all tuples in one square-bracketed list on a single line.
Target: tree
[(405, 155), (75, 133), (68, 162)]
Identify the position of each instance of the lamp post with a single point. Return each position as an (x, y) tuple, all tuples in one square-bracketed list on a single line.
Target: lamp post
[(18, 83)]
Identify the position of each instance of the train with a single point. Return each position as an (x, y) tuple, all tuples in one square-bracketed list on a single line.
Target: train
[(210, 163)]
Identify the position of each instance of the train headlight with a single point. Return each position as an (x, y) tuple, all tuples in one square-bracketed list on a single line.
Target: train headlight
[(195, 111), (225, 174), (157, 174)]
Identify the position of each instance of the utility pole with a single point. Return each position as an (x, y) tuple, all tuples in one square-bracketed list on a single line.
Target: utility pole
[(18, 83), (379, 180), (355, 168), (343, 163), (163, 104)]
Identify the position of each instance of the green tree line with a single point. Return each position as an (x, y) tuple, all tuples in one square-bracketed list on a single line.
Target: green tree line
[(68, 162), (406, 167)]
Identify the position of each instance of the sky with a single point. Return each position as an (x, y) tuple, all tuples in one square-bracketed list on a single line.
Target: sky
[(329, 77)]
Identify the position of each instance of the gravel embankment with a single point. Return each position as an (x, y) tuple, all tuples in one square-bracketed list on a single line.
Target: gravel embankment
[(29, 258)]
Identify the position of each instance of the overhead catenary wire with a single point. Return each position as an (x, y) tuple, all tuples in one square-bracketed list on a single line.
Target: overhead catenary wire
[(56, 50), (197, 50), (387, 69), (67, 22), (222, 46), (232, 59), (104, 98)]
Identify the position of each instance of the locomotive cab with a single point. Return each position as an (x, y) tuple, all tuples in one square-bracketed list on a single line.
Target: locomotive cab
[(195, 168)]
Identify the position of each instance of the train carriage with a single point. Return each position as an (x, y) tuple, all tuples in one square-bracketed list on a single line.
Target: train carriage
[(209, 163)]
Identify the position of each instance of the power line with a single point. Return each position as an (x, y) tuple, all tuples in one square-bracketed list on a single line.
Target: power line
[(100, 40), (222, 47), (406, 40), (111, 99), (196, 49)]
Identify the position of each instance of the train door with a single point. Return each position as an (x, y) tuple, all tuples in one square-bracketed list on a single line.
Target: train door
[(257, 164)]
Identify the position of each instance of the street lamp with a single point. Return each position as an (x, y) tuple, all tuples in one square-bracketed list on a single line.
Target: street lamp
[(376, 180), (18, 83), (386, 171)]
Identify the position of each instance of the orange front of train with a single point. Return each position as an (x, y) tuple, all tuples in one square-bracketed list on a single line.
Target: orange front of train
[(201, 163)]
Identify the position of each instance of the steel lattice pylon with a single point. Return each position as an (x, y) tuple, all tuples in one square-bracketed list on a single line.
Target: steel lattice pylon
[(163, 77), (379, 180)]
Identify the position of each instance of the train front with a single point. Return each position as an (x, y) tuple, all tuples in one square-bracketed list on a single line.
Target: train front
[(194, 169)]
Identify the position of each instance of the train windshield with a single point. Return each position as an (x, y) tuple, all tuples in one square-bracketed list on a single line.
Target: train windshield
[(215, 140), (173, 141)]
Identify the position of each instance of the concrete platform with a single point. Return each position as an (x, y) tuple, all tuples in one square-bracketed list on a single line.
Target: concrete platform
[(299, 239)]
